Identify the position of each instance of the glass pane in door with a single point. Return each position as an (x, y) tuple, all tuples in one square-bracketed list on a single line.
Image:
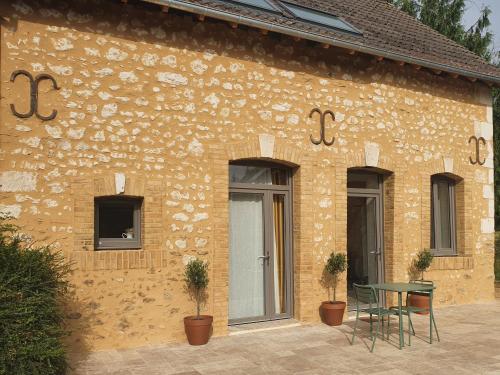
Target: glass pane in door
[(279, 253), (362, 243), (246, 247)]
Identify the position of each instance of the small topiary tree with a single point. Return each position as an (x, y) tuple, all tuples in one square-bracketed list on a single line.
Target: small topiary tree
[(422, 262), (335, 265), (196, 279)]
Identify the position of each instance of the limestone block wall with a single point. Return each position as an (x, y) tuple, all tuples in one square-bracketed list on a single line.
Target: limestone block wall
[(168, 101)]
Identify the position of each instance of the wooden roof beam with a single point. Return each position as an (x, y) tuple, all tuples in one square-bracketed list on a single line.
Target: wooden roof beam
[(233, 25), (379, 58), (264, 31), (164, 8), (325, 46)]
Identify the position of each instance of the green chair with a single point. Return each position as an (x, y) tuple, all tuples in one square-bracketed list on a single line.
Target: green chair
[(367, 295), (408, 310)]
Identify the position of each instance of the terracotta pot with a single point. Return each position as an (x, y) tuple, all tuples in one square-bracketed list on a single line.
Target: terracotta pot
[(332, 313), (198, 331), (421, 301)]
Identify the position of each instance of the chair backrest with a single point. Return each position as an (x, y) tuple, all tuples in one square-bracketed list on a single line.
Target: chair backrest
[(422, 282), (365, 294)]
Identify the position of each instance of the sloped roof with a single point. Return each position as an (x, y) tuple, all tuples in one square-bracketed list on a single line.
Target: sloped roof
[(385, 31)]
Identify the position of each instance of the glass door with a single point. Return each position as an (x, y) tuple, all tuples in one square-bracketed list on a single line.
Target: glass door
[(248, 258), (260, 264), (364, 233)]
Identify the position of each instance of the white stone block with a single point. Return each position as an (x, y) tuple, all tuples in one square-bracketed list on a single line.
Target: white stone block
[(266, 142), (491, 208), (119, 183), (489, 114), (487, 130), (488, 225), (488, 192), (12, 181), (372, 153), (11, 210), (448, 165)]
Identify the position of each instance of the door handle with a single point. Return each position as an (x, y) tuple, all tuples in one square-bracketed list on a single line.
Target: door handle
[(263, 257), (375, 252)]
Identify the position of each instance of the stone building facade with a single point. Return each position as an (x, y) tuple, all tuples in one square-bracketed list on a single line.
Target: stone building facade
[(161, 103)]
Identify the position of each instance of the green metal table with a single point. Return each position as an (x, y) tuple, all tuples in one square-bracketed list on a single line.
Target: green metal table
[(401, 288)]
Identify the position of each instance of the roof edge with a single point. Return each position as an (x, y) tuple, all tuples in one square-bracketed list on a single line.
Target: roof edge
[(225, 16)]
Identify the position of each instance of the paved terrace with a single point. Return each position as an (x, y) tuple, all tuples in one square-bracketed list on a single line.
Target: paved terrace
[(470, 344)]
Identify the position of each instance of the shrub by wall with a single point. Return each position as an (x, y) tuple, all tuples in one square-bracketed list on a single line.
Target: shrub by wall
[(32, 283)]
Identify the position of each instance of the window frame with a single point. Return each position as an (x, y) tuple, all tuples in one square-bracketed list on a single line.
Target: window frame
[(437, 250), (119, 243)]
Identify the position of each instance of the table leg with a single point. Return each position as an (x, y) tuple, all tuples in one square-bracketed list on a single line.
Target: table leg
[(400, 310), (431, 317)]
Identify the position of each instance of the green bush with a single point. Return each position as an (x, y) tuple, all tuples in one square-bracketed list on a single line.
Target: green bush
[(196, 279), (32, 282)]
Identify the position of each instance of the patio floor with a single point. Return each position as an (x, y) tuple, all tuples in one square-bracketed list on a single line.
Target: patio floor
[(470, 344)]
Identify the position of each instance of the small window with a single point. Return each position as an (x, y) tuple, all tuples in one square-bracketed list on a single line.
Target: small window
[(320, 18), (443, 232), (262, 4), (118, 223)]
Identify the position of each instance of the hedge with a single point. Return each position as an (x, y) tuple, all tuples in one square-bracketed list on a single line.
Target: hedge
[(32, 285)]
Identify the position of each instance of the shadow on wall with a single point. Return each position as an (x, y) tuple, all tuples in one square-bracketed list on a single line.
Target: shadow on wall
[(79, 319)]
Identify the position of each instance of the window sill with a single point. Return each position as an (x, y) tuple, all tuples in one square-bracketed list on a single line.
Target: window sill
[(452, 262)]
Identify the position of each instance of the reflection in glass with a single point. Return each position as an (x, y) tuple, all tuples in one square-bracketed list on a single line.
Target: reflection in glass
[(248, 174), (362, 180), (361, 243), (246, 245), (279, 252)]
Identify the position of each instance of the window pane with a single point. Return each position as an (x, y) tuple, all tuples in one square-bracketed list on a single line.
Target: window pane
[(443, 195), (359, 180), (248, 174), (263, 4), (116, 220)]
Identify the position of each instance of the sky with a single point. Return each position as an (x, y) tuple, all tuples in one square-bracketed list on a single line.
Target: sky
[(472, 13)]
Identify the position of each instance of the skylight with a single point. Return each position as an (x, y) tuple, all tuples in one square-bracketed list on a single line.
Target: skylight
[(319, 18), (261, 4)]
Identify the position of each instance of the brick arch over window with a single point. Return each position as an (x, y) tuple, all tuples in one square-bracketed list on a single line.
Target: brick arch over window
[(463, 178), (262, 147)]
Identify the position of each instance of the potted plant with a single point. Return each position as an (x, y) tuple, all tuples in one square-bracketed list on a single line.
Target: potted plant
[(332, 311), (198, 327), (419, 265)]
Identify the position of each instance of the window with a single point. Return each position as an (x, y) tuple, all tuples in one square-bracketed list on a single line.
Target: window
[(320, 18), (262, 4), (117, 223), (443, 232)]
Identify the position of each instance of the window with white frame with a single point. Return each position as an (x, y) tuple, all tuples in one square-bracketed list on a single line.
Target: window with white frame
[(117, 222)]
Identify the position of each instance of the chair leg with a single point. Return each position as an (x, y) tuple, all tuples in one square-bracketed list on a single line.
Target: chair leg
[(410, 326), (388, 326), (383, 328), (435, 327), (355, 326), (375, 337), (371, 326), (412, 329)]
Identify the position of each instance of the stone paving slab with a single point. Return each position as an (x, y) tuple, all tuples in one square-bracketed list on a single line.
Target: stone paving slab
[(470, 344)]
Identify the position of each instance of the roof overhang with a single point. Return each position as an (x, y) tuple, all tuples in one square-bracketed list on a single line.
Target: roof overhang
[(293, 32)]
